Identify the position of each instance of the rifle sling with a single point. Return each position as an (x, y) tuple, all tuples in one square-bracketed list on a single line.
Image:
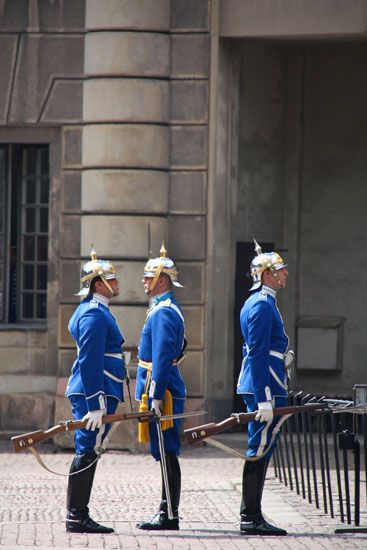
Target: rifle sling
[(40, 461), (102, 449), (237, 454)]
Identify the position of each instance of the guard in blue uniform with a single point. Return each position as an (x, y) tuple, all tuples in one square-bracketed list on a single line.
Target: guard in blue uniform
[(95, 386), (262, 381), (159, 381)]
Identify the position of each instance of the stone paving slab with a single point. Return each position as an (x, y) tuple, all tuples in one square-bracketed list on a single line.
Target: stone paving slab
[(127, 489)]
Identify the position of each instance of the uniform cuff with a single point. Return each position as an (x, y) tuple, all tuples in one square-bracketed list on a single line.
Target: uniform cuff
[(96, 402), (263, 395), (155, 392)]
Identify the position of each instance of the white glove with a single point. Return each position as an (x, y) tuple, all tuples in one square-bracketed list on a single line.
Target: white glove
[(156, 407), (94, 419), (288, 359), (265, 412)]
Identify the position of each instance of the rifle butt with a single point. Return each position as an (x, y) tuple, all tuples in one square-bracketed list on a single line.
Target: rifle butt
[(199, 433), (24, 441)]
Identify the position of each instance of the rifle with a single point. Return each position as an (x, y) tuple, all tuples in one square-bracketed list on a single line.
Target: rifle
[(24, 441), (199, 433)]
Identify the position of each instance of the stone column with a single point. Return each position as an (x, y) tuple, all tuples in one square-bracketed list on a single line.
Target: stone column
[(144, 156), (125, 150), (189, 113)]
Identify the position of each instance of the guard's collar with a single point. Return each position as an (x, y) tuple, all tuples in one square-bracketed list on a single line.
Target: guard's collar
[(154, 301), (101, 299), (271, 291)]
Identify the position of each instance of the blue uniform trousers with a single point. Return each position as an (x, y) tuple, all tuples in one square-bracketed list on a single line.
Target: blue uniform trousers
[(88, 440), (171, 437), (259, 433)]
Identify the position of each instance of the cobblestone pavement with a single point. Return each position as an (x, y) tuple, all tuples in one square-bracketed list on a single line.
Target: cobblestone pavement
[(127, 489)]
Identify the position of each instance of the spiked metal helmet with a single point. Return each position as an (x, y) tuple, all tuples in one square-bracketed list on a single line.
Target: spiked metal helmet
[(96, 268), (262, 262), (163, 264)]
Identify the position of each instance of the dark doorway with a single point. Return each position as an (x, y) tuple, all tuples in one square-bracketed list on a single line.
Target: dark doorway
[(243, 282)]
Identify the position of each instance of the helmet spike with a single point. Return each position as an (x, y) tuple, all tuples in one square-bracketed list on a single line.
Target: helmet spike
[(258, 248), (163, 251), (93, 254)]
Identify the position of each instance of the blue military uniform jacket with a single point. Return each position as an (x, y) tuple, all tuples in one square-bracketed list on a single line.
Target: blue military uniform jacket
[(99, 368), (161, 344), (263, 373)]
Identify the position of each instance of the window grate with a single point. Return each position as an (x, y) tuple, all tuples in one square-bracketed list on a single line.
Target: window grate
[(2, 227), (24, 171)]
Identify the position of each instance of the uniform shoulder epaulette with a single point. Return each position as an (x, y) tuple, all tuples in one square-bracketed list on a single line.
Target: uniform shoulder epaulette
[(93, 303), (263, 295)]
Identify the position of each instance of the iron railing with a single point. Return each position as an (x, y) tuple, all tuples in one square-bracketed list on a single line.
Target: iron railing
[(319, 456)]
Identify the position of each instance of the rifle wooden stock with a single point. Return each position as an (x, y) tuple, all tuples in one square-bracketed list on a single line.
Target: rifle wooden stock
[(199, 433), (24, 441)]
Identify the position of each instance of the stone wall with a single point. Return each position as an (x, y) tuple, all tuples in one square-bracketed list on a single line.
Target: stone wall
[(124, 86), (143, 162), (41, 68), (300, 185)]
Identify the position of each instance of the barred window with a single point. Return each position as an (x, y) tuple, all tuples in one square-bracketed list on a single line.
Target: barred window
[(24, 200)]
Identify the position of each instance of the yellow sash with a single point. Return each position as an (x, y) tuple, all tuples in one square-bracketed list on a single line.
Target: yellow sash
[(167, 405)]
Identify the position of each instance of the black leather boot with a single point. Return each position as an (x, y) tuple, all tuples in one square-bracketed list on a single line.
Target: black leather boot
[(252, 520), (78, 495), (160, 521)]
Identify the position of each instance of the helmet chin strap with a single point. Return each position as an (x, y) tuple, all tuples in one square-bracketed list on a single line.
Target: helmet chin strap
[(108, 286), (278, 281), (155, 278)]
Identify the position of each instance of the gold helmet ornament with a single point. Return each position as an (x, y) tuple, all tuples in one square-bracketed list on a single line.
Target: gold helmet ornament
[(163, 264), (96, 268), (262, 262)]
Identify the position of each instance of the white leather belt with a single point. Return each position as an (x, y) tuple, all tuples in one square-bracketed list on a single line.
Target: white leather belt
[(277, 354), (112, 376), (115, 355), (287, 358)]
